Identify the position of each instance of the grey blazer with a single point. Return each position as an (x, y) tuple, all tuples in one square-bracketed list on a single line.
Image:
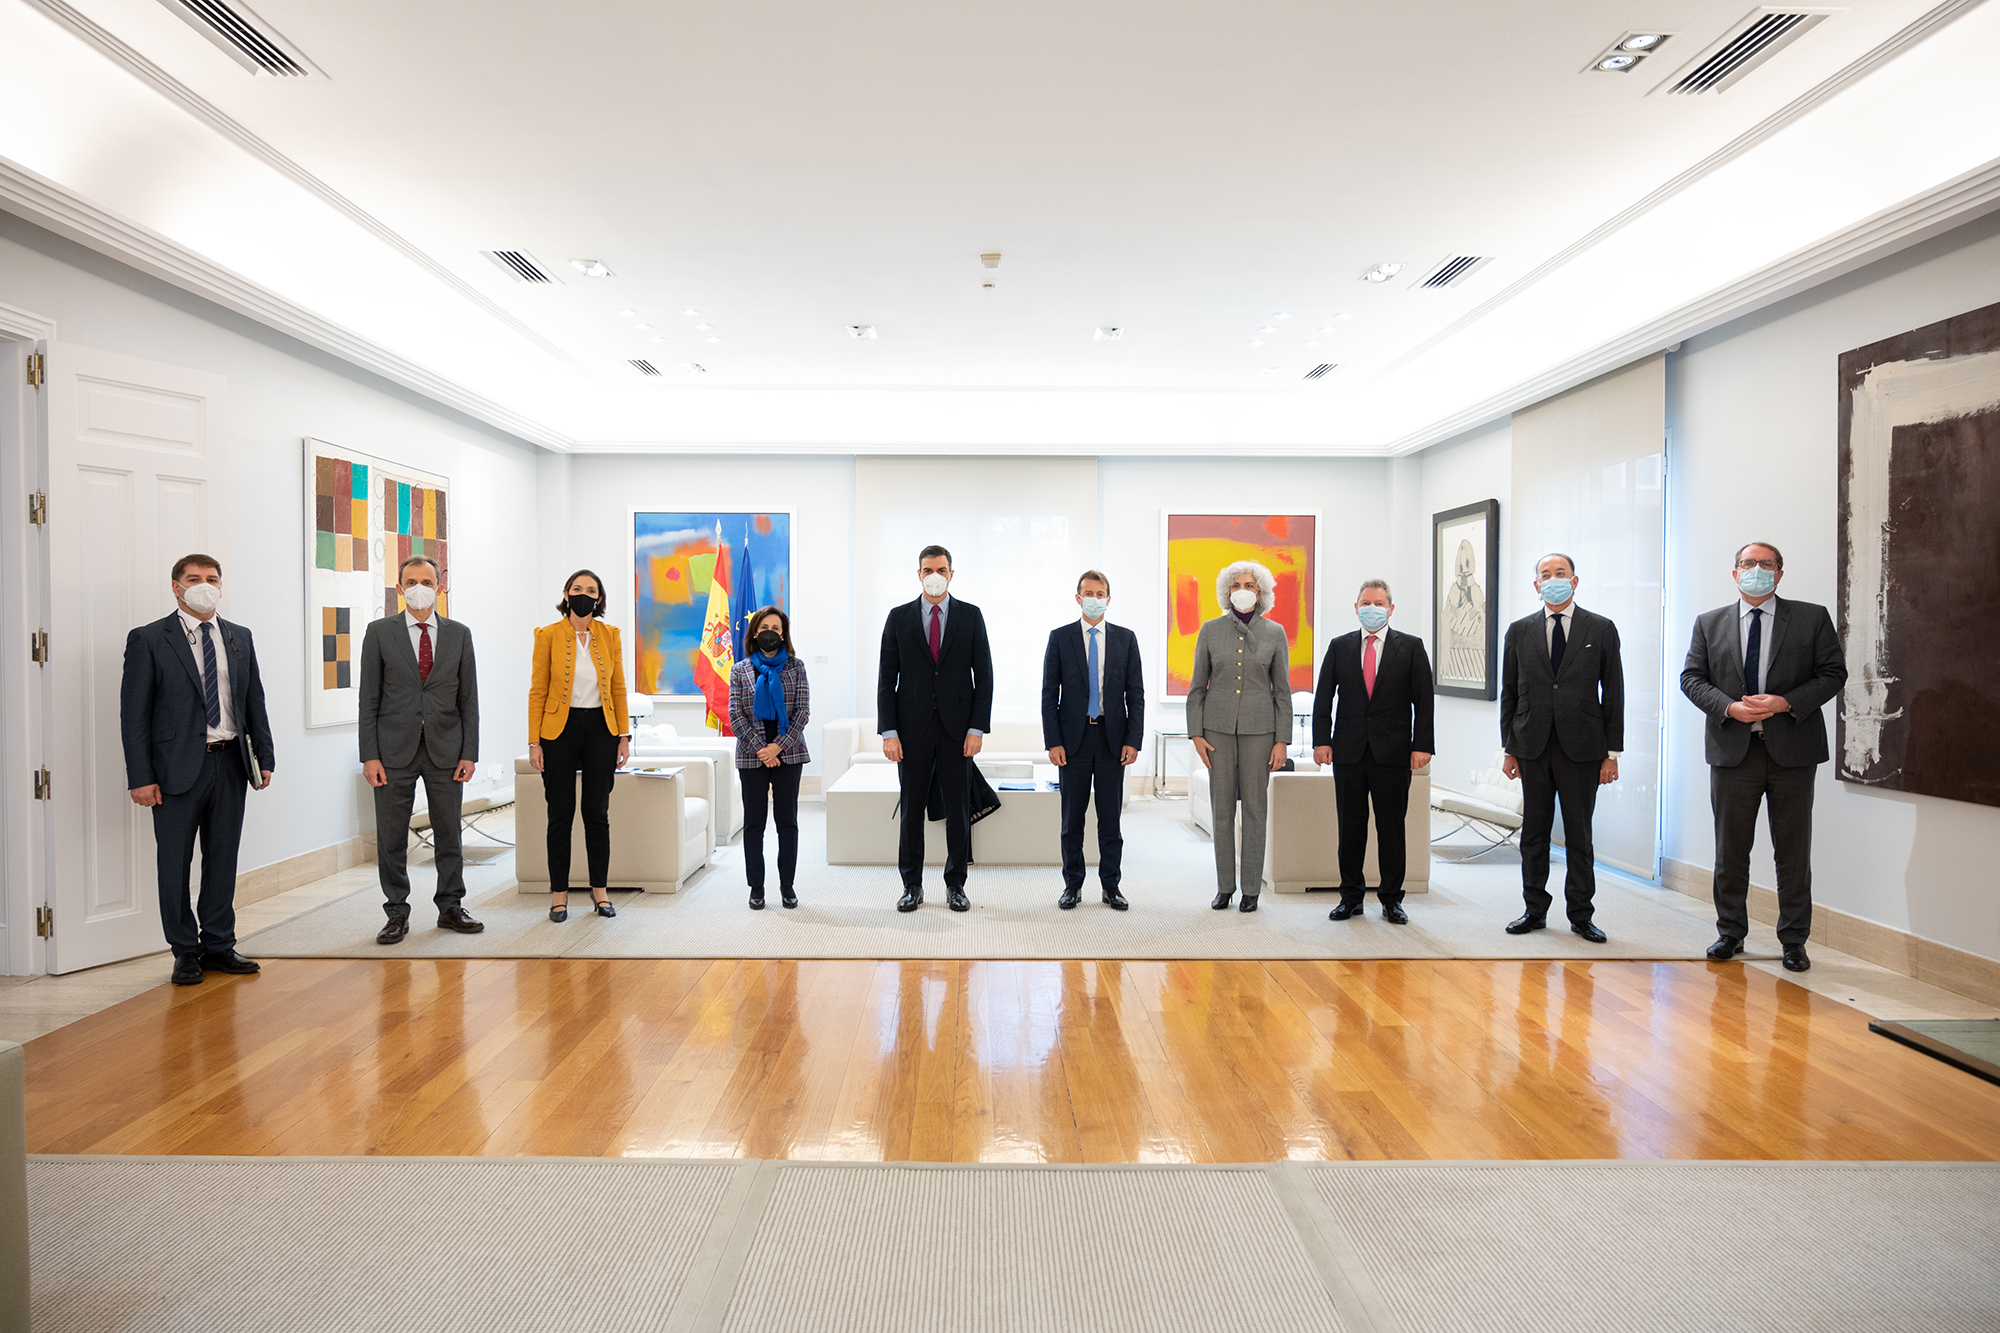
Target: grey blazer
[(1242, 682), (1804, 663), (399, 708), (1584, 708)]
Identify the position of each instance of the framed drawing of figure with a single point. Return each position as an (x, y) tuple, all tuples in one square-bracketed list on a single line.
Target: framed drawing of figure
[(1465, 600)]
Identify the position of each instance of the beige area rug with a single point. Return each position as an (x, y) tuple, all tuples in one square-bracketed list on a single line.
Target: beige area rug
[(850, 912), (507, 1245)]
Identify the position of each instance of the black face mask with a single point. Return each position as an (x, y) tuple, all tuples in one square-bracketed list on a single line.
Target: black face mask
[(582, 604), (770, 641)]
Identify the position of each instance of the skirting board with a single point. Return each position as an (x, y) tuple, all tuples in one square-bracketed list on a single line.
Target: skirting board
[(294, 871), (1939, 965)]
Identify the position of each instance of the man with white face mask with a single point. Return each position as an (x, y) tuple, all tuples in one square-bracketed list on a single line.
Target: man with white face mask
[(191, 713), (419, 720)]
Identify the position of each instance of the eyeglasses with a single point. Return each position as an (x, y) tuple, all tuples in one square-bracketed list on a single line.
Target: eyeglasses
[(1771, 565)]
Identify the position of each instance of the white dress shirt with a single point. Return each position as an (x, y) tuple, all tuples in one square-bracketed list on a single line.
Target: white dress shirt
[(1568, 617), (416, 634), (226, 729), (583, 687), (1743, 610), (1102, 626)]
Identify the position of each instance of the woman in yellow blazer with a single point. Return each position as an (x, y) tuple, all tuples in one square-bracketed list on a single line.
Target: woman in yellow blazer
[(577, 723)]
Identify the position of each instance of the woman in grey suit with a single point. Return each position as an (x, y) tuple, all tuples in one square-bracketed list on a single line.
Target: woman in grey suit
[(1239, 717)]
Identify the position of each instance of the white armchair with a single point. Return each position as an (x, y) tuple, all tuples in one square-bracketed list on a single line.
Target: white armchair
[(661, 831), (657, 742)]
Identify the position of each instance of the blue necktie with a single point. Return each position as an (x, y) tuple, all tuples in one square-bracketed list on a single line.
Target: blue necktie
[(1096, 704), (1753, 656), (211, 692)]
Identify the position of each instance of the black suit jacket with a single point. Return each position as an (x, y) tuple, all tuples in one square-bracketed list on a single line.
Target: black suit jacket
[(1393, 721), (958, 687), (1066, 688), (1584, 707), (1804, 663), (163, 717)]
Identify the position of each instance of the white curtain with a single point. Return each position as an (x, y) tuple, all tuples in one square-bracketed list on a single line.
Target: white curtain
[(1590, 481)]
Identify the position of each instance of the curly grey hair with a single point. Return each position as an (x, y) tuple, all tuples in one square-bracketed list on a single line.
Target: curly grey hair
[(1267, 587)]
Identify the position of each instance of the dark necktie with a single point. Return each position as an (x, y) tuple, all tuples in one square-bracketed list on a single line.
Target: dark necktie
[(211, 689), (937, 631), (1753, 655), (424, 649), (1557, 642)]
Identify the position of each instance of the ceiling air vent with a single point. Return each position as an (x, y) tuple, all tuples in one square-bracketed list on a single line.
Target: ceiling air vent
[(645, 367), (1319, 371), (1744, 47), (244, 38), (1452, 271), (519, 265)]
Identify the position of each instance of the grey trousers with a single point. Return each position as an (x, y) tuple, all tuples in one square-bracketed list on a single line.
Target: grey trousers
[(1787, 796), (393, 803), (1239, 770)]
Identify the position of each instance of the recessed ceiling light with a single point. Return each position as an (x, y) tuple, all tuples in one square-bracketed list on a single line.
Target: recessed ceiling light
[(692, 314), (1256, 342), (1268, 370), (703, 328), (1617, 64), (1266, 329), (591, 268), (697, 367), (861, 330), (1641, 41), (1382, 272), (1312, 342), (712, 338), (628, 310), (1281, 314), (656, 339), (642, 327), (1108, 333)]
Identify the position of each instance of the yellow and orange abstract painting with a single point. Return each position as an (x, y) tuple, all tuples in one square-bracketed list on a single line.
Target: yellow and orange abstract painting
[(1200, 546)]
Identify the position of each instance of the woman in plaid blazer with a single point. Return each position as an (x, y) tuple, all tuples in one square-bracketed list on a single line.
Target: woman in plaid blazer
[(769, 703)]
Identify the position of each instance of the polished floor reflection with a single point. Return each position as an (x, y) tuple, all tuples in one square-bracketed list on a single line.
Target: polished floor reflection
[(999, 1061)]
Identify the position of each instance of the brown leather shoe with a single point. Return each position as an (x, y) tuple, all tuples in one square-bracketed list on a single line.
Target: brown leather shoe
[(393, 931), (458, 919)]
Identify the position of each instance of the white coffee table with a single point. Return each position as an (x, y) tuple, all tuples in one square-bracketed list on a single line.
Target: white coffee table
[(863, 826)]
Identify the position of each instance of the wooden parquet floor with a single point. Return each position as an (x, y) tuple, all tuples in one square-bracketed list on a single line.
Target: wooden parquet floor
[(999, 1061)]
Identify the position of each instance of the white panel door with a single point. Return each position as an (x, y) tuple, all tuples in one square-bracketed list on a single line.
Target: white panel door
[(136, 477)]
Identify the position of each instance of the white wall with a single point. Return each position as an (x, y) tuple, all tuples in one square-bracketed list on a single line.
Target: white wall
[(279, 392), (1751, 447)]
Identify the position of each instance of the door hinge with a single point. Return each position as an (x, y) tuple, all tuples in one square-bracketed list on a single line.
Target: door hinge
[(45, 922), (37, 370), (38, 647), (44, 785), (38, 508)]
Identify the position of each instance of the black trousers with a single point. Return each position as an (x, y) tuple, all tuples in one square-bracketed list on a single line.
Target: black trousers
[(394, 800), (1388, 787), (586, 746), (766, 788), (928, 751), (211, 811), (1547, 779), (1092, 767), (1734, 794)]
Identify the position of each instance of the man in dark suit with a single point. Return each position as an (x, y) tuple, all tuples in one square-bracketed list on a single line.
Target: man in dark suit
[(933, 705), (1380, 679), (191, 714), (1761, 668), (1562, 722), (1093, 719), (419, 720)]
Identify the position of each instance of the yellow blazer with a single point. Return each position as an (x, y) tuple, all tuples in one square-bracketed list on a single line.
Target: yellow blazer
[(555, 672)]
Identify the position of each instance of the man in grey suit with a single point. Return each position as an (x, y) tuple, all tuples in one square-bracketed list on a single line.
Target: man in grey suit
[(419, 719), (1239, 719), (1562, 722), (1761, 668)]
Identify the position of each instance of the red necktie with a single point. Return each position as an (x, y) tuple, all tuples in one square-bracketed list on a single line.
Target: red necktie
[(937, 631), (1368, 667), (424, 651)]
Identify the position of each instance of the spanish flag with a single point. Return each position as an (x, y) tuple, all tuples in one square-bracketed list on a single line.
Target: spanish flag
[(717, 655)]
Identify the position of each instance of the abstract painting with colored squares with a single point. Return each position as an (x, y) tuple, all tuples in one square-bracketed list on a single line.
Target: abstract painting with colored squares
[(364, 517), (1200, 546)]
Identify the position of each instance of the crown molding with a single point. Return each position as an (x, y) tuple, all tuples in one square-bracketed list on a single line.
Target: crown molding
[(1918, 218), (50, 205), (18, 323)]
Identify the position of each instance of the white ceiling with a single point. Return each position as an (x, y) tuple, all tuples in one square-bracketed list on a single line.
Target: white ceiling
[(1180, 171)]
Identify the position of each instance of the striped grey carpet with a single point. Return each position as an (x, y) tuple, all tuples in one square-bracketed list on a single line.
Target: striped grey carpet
[(228, 1244)]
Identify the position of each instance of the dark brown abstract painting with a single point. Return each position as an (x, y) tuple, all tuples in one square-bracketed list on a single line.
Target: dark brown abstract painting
[(1920, 560)]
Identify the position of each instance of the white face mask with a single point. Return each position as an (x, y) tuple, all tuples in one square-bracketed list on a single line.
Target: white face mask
[(202, 598), (1244, 599), (935, 584), (420, 597)]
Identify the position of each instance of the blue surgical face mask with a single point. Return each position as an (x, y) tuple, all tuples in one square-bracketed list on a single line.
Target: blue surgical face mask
[(1372, 617), (1557, 591), (1756, 582), (1094, 607)]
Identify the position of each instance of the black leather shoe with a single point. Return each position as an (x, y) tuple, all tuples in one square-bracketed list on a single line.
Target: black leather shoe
[(1072, 894), (1394, 914), (1249, 903), (560, 914), (394, 930), (230, 961), (786, 896), (1115, 900), (1724, 949), (603, 905), (460, 920), (187, 969), (1221, 903), (956, 900), (1524, 923), (756, 900), (1587, 929), (911, 900), (1345, 912), (1795, 958)]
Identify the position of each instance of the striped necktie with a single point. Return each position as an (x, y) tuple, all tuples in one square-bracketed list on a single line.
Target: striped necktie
[(211, 688)]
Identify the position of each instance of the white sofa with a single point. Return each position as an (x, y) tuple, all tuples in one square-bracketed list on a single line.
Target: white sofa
[(661, 832), (658, 743), (1302, 830), (853, 740)]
